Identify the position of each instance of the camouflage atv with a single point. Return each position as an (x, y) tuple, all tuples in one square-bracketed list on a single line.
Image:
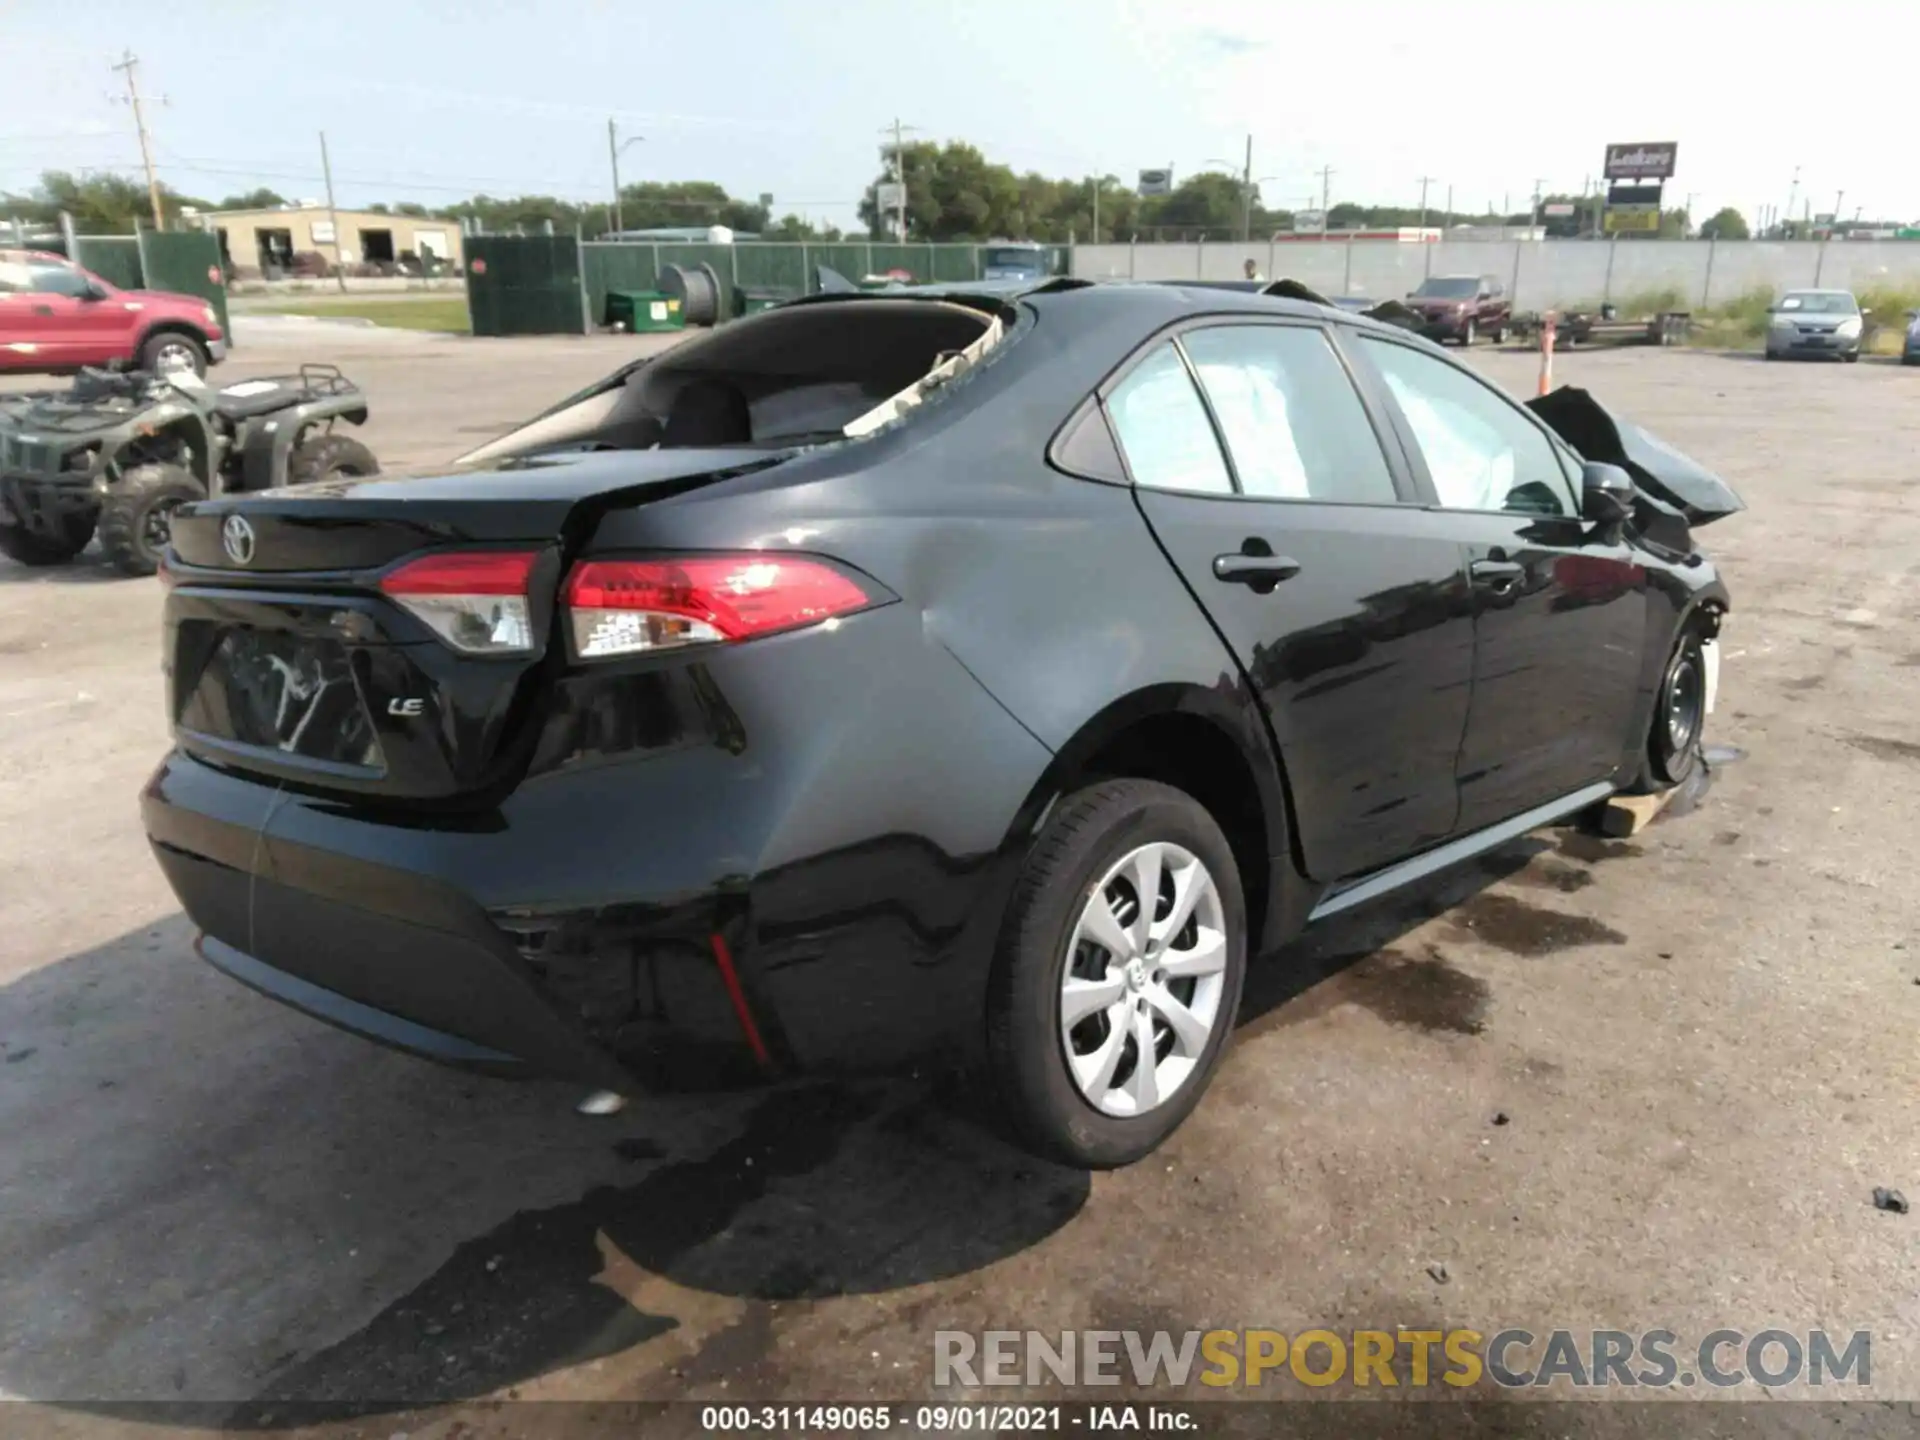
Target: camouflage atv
[(119, 451)]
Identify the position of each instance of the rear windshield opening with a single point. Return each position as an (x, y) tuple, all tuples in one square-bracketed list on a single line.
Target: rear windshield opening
[(808, 374)]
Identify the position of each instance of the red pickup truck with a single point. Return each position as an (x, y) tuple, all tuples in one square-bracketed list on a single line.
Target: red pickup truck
[(56, 317)]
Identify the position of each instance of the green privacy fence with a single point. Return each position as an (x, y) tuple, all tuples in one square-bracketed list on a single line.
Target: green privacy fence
[(524, 285), (787, 268), (556, 285), (114, 258), (187, 262)]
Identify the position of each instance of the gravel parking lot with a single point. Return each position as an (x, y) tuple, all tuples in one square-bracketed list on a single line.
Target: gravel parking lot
[(1703, 1040)]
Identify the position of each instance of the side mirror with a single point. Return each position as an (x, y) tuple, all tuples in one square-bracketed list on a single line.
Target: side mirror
[(1606, 493), (92, 292)]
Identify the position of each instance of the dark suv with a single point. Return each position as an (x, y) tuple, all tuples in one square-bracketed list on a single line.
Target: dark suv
[(1462, 307)]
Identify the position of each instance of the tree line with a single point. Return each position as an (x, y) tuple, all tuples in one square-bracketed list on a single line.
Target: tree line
[(953, 192)]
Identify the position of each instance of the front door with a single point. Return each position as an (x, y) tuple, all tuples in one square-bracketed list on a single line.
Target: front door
[(1263, 478), (1560, 606), (79, 322)]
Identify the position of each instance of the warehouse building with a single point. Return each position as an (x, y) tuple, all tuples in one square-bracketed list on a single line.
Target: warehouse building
[(272, 244)]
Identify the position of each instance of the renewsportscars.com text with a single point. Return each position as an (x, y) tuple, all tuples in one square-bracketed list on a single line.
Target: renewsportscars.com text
[(1413, 1359)]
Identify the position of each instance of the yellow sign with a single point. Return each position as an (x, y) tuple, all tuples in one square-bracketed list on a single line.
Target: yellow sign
[(1633, 220)]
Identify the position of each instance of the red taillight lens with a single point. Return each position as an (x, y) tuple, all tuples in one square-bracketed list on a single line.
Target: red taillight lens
[(628, 607), (474, 600)]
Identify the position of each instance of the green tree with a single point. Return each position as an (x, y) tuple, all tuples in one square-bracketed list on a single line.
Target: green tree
[(1725, 223), (1209, 201), (953, 193), (261, 199)]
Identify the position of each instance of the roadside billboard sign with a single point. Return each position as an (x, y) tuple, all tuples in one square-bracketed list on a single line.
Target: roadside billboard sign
[(1309, 222), (1632, 222), (1155, 182), (1642, 160)]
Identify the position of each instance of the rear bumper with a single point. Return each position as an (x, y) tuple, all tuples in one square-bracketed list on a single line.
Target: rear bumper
[(765, 876)]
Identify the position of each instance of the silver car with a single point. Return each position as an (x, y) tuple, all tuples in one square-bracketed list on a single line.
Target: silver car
[(1815, 322)]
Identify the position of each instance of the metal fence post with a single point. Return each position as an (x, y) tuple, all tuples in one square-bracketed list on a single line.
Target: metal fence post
[(1346, 285), (580, 275), (1200, 258), (1820, 260), (1513, 286), (869, 257), (806, 271), (1706, 285), (1273, 255), (1606, 290), (1132, 241)]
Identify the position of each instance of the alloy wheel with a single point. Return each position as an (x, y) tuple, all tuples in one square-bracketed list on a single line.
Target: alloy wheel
[(1140, 995), (173, 357)]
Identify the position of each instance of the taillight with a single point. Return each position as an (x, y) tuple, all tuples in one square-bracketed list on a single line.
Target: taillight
[(630, 607), (474, 600)]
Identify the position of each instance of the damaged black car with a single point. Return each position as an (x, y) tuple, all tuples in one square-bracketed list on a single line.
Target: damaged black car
[(978, 677)]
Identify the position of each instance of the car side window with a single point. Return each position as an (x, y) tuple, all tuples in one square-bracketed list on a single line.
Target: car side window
[(1481, 449), (50, 279), (1294, 425), (1163, 428)]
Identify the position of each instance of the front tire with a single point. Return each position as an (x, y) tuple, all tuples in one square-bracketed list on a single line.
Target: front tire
[(29, 547), (173, 350), (1468, 336), (326, 457), (1674, 736), (136, 517), (1108, 1013)]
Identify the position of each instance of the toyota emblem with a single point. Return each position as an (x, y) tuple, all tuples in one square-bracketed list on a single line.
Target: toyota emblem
[(236, 538)]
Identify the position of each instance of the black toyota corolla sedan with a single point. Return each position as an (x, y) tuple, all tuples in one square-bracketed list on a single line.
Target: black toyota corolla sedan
[(974, 677)]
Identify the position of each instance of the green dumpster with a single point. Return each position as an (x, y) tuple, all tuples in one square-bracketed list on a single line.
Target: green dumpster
[(753, 301), (643, 312)]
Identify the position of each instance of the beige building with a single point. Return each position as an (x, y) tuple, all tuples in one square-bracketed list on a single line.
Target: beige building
[(267, 243)]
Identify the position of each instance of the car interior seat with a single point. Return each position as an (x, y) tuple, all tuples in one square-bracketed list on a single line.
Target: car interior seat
[(707, 413)]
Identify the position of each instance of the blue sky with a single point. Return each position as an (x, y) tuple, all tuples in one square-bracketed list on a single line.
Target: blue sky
[(434, 101)]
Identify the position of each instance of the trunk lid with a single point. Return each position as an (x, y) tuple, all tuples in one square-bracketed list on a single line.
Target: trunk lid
[(286, 658)]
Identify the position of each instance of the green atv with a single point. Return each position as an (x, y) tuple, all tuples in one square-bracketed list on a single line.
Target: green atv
[(119, 451)]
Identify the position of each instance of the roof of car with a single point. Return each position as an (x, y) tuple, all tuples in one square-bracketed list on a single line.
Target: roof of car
[(1158, 299)]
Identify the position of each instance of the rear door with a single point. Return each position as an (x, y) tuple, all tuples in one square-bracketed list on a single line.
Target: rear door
[(1263, 477), (1560, 606)]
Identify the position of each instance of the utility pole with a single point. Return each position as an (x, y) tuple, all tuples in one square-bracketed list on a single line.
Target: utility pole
[(1096, 210), (1836, 210), (1246, 185), (615, 145), (1793, 192), (1425, 180), (900, 173), (1536, 202), (333, 215), (1326, 192), (129, 64)]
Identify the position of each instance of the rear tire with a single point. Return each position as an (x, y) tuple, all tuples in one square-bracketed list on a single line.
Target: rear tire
[(1084, 874), (28, 547), (173, 350), (135, 518), (322, 457), (1674, 734)]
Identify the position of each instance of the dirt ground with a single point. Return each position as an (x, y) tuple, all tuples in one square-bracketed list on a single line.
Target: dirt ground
[(1703, 1040)]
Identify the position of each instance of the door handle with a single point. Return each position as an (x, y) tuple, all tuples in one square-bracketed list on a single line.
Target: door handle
[(1256, 570), (1499, 576), (43, 309)]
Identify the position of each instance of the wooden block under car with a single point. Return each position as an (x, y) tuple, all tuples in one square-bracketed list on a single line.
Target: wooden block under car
[(1627, 815)]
